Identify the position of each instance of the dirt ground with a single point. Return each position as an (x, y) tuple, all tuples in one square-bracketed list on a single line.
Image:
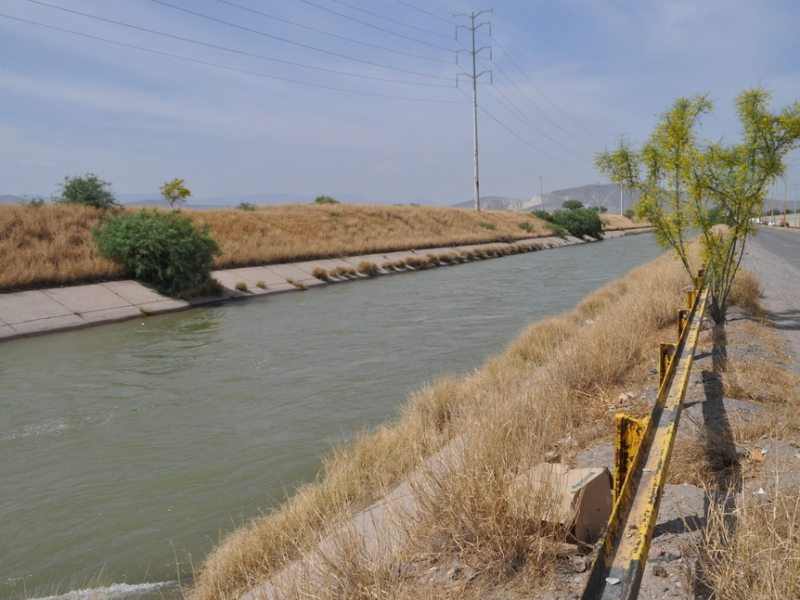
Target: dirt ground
[(753, 462)]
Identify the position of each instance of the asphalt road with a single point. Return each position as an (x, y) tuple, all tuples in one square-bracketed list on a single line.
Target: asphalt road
[(785, 244), (774, 255)]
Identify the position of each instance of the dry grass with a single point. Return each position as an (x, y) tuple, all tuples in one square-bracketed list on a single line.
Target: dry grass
[(753, 551), (51, 245), (546, 392)]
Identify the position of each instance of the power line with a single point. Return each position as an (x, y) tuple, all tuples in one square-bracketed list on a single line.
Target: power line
[(241, 52), (537, 108), (520, 115), (390, 32), (426, 12), (328, 33), (224, 67), (274, 37), (392, 20), (541, 92), (519, 137)]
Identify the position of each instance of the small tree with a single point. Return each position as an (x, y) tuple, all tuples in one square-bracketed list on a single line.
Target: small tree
[(88, 190), (572, 204), (174, 191), (325, 200), (681, 182), (161, 247)]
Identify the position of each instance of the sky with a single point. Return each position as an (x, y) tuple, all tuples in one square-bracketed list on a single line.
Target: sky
[(366, 97)]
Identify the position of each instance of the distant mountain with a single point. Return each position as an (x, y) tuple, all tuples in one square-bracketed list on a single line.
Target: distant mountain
[(494, 203), (8, 199), (607, 195)]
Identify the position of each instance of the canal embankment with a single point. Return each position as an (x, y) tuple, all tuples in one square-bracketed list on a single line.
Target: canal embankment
[(135, 445), (48, 310), (551, 396)]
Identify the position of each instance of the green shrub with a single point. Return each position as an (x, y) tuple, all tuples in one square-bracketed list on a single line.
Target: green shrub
[(577, 221), (87, 190), (525, 226), (325, 200), (246, 206), (163, 248), (487, 225)]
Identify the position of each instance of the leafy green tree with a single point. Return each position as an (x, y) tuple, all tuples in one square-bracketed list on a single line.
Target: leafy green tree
[(572, 204), (246, 206), (577, 221), (88, 190), (326, 200), (174, 191), (681, 180), (160, 247)]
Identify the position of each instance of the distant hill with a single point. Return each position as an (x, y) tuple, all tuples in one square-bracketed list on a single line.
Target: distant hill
[(494, 203), (607, 195), (8, 199)]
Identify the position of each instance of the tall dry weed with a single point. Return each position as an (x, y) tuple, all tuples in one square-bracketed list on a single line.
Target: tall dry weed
[(751, 548)]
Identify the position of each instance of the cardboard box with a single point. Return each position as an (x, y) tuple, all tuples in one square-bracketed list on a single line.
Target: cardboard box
[(578, 498)]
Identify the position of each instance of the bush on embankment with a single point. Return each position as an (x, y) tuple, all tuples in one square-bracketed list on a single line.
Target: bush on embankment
[(159, 247), (51, 244), (547, 393)]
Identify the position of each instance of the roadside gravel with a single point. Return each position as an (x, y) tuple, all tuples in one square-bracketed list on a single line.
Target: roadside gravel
[(780, 285)]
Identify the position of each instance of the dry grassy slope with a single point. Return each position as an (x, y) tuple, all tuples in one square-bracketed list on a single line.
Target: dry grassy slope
[(51, 245), (552, 391), (548, 392)]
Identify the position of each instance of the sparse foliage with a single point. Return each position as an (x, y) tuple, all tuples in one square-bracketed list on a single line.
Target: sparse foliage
[(88, 190), (681, 181), (246, 206), (174, 192)]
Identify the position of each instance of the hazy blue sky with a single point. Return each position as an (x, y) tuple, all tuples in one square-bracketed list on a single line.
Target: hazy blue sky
[(369, 105)]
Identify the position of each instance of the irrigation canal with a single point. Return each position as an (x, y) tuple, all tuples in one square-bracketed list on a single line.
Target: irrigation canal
[(128, 447)]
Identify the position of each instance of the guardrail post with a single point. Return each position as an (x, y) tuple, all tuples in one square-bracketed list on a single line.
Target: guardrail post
[(698, 281), (666, 352), (691, 298), (683, 319), (629, 435)]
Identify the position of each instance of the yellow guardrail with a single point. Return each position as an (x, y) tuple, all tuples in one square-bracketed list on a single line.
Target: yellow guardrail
[(643, 451)]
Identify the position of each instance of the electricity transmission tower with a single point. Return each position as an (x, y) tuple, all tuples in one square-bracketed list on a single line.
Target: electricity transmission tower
[(472, 27)]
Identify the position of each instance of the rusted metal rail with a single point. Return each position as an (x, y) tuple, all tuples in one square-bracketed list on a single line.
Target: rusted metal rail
[(643, 451)]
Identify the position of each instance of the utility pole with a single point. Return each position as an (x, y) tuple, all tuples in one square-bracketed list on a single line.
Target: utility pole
[(785, 203), (795, 204), (541, 193), (472, 28)]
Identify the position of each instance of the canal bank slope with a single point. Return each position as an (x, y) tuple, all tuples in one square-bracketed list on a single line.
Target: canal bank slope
[(50, 310), (551, 395)]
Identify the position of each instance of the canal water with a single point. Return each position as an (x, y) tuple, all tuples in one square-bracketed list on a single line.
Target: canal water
[(127, 450)]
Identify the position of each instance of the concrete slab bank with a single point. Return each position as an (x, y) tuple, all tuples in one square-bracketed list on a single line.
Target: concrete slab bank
[(57, 309)]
